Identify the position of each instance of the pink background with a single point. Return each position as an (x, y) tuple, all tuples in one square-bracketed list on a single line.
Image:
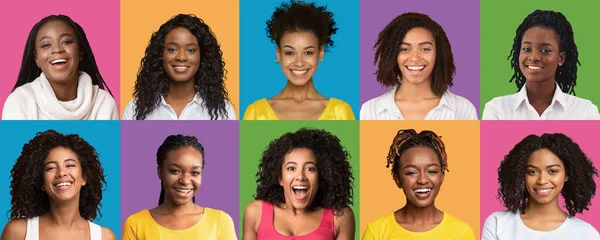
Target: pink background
[(99, 20), (499, 137)]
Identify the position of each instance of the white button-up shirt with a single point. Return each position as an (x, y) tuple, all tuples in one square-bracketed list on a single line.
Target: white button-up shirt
[(451, 107), (563, 107), (194, 110)]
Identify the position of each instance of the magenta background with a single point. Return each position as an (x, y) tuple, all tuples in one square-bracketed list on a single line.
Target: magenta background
[(499, 137), (99, 20)]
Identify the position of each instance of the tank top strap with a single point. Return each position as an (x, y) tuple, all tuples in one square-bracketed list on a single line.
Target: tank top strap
[(95, 231), (33, 229), (266, 218), (327, 220)]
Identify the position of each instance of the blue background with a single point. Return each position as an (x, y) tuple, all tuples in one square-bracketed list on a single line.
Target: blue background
[(261, 77), (102, 135)]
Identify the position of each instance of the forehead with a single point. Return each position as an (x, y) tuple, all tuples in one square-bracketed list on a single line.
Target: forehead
[(420, 156), (539, 34), (56, 27), (181, 35), (184, 156), (299, 156), (303, 38), (542, 158), (60, 154), (418, 35)]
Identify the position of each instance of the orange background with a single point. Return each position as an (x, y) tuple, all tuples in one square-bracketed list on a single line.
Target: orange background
[(459, 194), (140, 18)]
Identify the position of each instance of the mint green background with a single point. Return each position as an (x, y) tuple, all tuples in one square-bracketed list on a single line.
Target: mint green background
[(255, 136), (499, 22)]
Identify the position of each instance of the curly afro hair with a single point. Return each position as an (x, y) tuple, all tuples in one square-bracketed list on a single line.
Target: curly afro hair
[(335, 173), (388, 47), (28, 199), (577, 192), (152, 80), (409, 138), (299, 16), (566, 74)]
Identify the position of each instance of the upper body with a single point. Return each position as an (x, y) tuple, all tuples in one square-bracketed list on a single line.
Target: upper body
[(194, 110), (450, 107), (334, 110), (214, 224), (387, 227), (509, 225), (36, 100), (31, 229), (517, 107), (263, 220)]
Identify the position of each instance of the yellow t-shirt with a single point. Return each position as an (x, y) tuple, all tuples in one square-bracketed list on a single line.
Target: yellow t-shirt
[(335, 110), (386, 228), (215, 224)]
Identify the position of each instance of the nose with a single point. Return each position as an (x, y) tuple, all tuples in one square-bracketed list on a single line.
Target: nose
[(299, 60), (534, 56), (185, 179), (301, 176), (542, 179), (422, 179), (181, 56), (61, 172), (57, 48)]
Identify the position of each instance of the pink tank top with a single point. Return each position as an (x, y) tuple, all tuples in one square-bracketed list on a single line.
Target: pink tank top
[(266, 228)]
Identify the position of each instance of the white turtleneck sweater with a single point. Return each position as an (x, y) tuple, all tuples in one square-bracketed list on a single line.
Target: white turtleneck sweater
[(36, 100)]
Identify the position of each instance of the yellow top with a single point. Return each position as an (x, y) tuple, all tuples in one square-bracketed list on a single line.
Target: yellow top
[(335, 110), (215, 224), (386, 227)]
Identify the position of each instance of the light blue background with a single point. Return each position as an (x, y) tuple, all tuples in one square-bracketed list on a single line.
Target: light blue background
[(261, 77), (102, 135)]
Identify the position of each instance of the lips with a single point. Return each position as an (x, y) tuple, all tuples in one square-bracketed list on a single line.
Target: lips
[(59, 63), (184, 191), (543, 191), (299, 73), (180, 68), (423, 192), (63, 185), (300, 192), (415, 70)]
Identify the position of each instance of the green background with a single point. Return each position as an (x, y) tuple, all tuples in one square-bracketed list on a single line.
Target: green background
[(499, 22), (255, 136)]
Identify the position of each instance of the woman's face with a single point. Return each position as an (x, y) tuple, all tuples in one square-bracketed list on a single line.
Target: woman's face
[(181, 174), (416, 58), (181, 56), (540, 56), (63, 177), (299, 54), (420, 176), (545, 176), (57, 52), (299, 178)]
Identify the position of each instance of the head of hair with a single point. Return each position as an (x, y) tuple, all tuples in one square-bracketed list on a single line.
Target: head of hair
[(299, 16), (388, 47), (171, 143), (566, 75), (409, 138), (335, 173), (577, 191), (153, 82), (28, 199), (30, 71)]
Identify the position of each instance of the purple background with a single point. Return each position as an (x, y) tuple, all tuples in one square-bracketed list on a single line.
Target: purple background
[(140, 186), (461, 24)]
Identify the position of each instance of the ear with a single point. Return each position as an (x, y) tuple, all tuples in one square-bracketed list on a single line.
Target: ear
[(321, 53), (397, 181), (562, 56), (84, 181), (36, 60), (277, 54), (566, 178), (159, 172)]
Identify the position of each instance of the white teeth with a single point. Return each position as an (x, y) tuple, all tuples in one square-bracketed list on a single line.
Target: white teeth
[(299, 72), (181, 67), (63, 184), (299, 188), (183, 190), (534, 67), (422, 190), (544, 190), (59, 61), (415, 68)]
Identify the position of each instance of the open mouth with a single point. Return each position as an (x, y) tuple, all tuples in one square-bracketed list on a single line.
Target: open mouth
[(59, 64), (415, 68), (534, 67), (543, 191), (63, 185), (184, 191), (299, 73), (423, 192), (300, 192), (180, 69)]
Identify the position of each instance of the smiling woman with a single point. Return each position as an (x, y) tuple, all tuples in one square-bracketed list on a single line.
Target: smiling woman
[(56, 184), (59, 77)]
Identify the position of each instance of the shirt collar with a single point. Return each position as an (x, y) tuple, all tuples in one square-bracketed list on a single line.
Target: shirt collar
[(388, 102), (197, 99), (558, 97)]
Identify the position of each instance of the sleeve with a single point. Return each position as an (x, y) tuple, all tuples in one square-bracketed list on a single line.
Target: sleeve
[(592, 112), (490, 112), (14, 108), (129, 232), (468, 234), (345, 112), (230, 111), (368, 235), (107, 107), (489, 228), (226, 228), (470, 111), (129, 112), (250, 113)]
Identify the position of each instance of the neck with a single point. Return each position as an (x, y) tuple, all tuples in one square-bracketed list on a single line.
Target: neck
[(64, 214), (411, 91), (540, 92), (299, 93), (181, 91), (66, 91), (295, 211), (177, 209), (416, 214), (544, 210)]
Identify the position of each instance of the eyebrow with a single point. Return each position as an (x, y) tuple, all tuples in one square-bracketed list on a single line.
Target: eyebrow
[(543, 44), (56, 162), (428, 165), (60, 36), (420, 44), (288, 46), (176, 165), (292, 162), (549, 166), (177, 44)]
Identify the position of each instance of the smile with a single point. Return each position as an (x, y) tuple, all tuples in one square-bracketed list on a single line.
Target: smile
[(300, 192), (544, 191), (300, 72), (58, 61), (415, 68), (183, 190)]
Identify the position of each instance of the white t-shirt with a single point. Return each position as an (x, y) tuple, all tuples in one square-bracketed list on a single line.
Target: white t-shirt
[(194, 110), (451, 107), (506, 225)]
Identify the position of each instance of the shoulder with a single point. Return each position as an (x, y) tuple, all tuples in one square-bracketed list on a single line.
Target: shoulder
[(137, 217), (260, 103), (457, 224), (108, 234), (257, 108), (253, 209), (20, 96), (583, 227), (15, 229), (369, 109), (343, 110), (498, 218), (344, 216), (464, 108), (129, 112), (502, 100), (382, 221), (218, 214)]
